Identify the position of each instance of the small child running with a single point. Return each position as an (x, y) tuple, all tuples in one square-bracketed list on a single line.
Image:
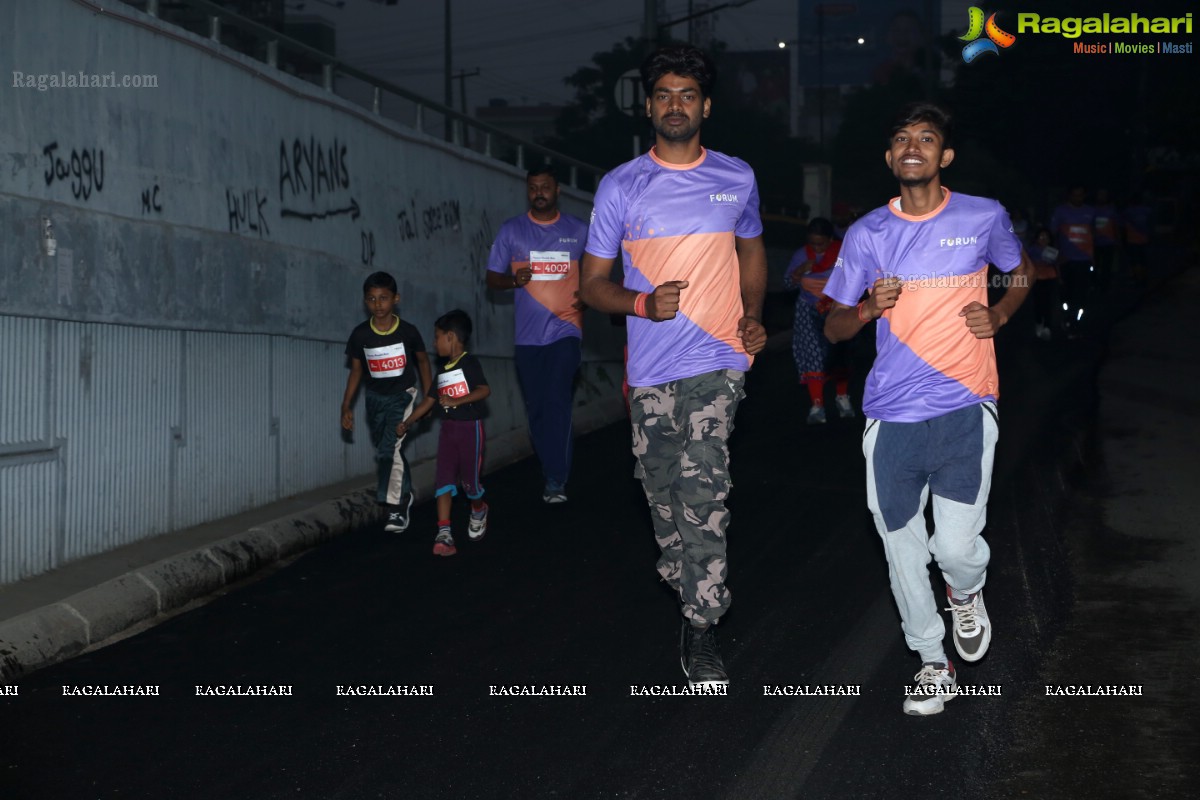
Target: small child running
[(387, 356), (458, 391)]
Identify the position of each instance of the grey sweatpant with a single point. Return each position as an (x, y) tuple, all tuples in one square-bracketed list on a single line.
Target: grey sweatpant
[(949, 457)]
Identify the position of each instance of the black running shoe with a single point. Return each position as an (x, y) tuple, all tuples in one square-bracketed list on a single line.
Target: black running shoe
[(397, 519), (700, 656)]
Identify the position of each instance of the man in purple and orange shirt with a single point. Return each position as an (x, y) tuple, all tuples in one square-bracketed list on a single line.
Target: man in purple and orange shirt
[(930, 399), (537, 255), (1074, 227), (1107, 222), (684, 221)]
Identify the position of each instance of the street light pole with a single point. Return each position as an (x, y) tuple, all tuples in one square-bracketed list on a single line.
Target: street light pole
[(449, 67), (820, 77), (650, 22)]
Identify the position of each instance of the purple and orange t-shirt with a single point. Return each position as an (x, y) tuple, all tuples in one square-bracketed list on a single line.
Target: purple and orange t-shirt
[(545, 307), (1107, 222), (928, 363), (1075, 229), (678, 222)]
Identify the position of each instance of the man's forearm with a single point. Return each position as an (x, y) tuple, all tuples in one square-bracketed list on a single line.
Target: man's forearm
[(752, 267), (606, 296), (1021, 283), (501, 281), (842, 323)]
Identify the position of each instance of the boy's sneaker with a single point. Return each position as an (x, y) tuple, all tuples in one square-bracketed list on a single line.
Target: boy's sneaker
[(935, 684), (443, 545), (972, 628), (700, 656), (477, 526), (845, 410), (397, 521), (554, 493), (816, 415)]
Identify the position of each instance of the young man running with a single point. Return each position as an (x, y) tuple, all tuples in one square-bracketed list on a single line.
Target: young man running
[(930, 399), (685, 222)]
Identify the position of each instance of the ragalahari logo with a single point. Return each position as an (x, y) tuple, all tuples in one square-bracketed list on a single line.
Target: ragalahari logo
[(996, 38)]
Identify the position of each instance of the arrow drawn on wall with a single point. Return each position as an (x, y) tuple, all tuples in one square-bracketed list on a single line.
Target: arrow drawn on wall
[(351, 209)]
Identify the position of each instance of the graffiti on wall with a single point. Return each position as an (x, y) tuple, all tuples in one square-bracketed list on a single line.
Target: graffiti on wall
[(83, 168), (310, 172), (246, 211), (368, 247), (437, 218), (151, 201), (479, 243)]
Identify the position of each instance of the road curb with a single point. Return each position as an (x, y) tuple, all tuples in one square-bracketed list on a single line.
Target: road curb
[(60, 630)]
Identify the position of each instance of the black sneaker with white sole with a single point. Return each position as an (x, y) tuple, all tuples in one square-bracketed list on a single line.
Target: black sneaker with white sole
[(700, 656), (397, 518)]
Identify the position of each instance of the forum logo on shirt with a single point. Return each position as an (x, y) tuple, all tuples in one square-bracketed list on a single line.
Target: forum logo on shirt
[(996, 38)]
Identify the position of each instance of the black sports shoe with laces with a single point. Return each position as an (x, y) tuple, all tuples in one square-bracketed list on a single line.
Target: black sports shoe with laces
[(700, 656)]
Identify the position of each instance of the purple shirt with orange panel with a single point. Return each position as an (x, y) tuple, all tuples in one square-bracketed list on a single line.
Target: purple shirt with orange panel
[(545, 307), (928, 363), (678, 222), (1075, 229)]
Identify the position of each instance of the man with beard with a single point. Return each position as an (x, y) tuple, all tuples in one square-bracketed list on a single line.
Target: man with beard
[(685, 222), (930, 399), (537, 255)]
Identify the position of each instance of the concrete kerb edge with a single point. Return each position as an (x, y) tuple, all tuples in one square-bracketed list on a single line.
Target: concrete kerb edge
[(63, 629)]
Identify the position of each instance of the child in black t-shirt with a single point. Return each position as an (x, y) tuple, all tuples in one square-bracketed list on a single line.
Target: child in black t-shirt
[(459, 391), (388, 355)]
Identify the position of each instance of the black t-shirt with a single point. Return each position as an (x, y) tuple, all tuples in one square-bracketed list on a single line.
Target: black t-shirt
[(389, 360), (465, 376)]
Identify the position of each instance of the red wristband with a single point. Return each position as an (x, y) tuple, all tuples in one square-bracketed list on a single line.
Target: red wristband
[(858, 310), (639, 305)]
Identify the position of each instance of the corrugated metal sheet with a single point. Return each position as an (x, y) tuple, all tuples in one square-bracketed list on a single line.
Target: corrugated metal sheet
[(309, 380), (110, 434), (227, 455), (24, 395), (118, 395), (29, 530), (27, 517)]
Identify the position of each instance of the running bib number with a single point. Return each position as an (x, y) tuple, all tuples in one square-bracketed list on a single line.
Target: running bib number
[(452, 384), (387, 361), (549, 265), (1079, 235)]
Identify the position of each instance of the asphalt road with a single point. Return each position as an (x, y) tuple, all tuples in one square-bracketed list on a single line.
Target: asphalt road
[(568, 596)]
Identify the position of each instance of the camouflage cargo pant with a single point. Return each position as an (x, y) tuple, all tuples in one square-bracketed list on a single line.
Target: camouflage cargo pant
[(680, 431)]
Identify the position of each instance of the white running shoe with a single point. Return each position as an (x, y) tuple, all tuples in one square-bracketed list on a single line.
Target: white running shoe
[(845, 410), (935, 684), (972, 628), (477, 526)]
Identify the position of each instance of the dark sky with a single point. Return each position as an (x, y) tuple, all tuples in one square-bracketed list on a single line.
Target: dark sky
[(524, 48)]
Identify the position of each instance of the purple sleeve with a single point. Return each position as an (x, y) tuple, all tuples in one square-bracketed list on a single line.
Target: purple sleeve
[(1004, 248), (849, 278), (749, 224), (608, 220), (500, 256)]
